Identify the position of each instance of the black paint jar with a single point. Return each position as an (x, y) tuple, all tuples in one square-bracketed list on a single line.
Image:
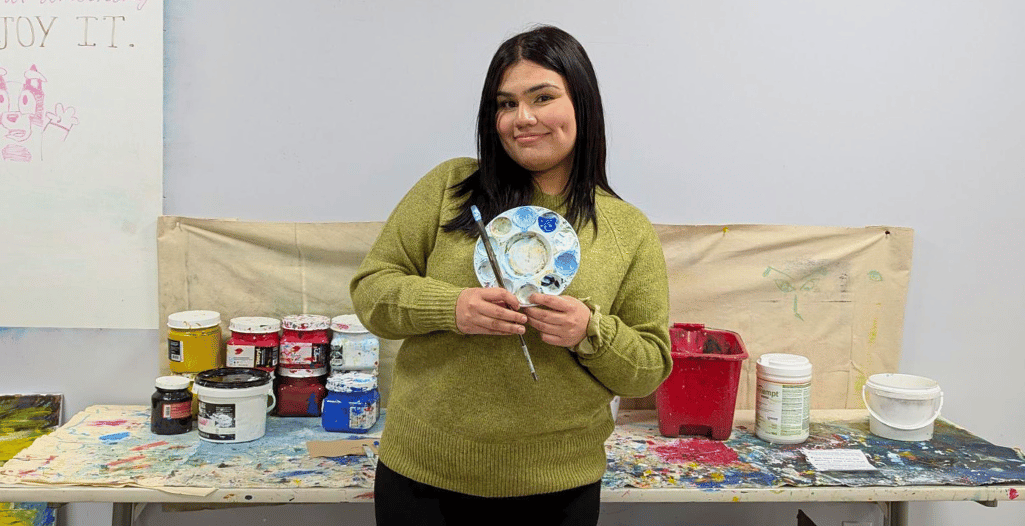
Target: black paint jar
[(172, 406)]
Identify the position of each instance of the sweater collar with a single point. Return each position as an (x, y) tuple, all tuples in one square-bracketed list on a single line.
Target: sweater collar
[(556, 203)]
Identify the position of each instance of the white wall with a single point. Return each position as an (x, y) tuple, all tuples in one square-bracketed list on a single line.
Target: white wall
[(782, 112)]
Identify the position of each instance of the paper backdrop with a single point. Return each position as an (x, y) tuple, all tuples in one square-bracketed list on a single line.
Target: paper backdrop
[(834, 295), (81, 101)]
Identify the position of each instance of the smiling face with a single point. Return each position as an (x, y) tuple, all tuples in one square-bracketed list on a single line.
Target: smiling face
[(536, 123)]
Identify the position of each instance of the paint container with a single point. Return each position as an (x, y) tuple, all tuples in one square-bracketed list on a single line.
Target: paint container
[(233, 404), (194, 341), (783, 398), (353, 347), (171, 406), (700, 395), (254, 342), (305, 344), (300, 396), (352, 404), (902, 406), (191, 378)]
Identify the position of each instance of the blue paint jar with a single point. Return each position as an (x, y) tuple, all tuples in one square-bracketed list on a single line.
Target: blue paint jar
[(352, 404)]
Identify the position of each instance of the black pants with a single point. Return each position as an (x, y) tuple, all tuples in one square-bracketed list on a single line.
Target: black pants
[(400, 501)]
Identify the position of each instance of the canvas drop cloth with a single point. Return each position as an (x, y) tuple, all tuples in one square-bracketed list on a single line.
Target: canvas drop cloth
[(835, 295)]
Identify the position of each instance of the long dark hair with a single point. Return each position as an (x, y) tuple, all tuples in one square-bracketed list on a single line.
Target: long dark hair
[(500, 183)]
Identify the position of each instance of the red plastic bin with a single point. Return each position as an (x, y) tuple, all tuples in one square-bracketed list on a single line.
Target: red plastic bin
[(700, 395)]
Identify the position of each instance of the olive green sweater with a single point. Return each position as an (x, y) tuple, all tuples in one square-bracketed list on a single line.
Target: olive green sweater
[(464, 413)]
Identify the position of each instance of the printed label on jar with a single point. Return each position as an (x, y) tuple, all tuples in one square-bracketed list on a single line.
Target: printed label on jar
[(176, 410), (303, 354), (216, 421), (362, 416), (337, 361), (783, 409), (174, 351), (251, 356)]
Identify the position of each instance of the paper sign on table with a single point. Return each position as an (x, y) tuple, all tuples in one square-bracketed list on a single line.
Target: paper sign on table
[(838, 460)]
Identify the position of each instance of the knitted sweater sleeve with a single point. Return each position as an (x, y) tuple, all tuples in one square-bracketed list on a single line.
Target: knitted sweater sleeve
[(630, 353), (390, 291)]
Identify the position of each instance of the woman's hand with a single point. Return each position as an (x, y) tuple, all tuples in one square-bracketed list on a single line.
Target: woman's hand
[(491, 310), (562, 321)]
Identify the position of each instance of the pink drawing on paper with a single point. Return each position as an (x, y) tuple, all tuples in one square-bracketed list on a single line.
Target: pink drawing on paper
[(24, 120)]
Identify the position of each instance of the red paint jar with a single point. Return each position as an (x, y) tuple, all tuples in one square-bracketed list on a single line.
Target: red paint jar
[(300, 396), (305, 344), (254, 343)]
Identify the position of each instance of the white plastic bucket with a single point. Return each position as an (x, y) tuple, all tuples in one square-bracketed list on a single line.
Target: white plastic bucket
[(233, 404), (902, 406)]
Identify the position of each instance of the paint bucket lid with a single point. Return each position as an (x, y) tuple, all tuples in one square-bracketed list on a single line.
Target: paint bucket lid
[(904, 386), (305, 322), (193, 319), (348, 323), (233, 378), (254, 324), (352, 383), (172, 383), (787, 365)]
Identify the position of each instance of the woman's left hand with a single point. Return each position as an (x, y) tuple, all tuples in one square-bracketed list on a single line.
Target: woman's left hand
[(561, 320)]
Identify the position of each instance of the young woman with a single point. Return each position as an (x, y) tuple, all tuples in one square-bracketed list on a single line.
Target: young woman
[(470, 437)]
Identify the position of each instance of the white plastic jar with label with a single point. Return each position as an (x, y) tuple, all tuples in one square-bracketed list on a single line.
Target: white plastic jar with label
[(353, 347), (783, 403)]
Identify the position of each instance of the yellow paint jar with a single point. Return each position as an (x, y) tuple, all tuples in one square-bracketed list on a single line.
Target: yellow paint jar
[(194, 341)]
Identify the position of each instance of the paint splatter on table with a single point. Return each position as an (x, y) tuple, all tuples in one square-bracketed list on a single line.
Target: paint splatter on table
[(640, 457), (112, 446)]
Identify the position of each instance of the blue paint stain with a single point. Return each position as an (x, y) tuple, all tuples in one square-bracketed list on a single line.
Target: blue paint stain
[(299, 473), (348, 460), (115, 437), (312, 407)]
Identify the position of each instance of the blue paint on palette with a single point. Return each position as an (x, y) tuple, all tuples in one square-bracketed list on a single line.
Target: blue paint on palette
[(566, 263), (524, 217), (548, 222)]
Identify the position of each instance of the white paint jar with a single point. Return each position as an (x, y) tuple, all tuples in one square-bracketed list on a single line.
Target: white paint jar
[(233, 404), (353, 347), (783, 398)]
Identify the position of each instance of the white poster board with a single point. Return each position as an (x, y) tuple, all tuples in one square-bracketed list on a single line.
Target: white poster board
[(81, 103)]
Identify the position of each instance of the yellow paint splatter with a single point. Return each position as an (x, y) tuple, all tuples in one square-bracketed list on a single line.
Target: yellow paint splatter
[(874, 333)]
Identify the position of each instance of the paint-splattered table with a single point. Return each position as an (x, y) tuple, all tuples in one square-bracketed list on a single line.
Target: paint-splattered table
[(107, 454)]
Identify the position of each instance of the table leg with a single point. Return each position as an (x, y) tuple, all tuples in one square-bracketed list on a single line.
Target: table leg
[(898, 513), (122, 514)]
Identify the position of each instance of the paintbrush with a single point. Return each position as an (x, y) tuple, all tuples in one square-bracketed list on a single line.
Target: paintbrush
[(498, 277)]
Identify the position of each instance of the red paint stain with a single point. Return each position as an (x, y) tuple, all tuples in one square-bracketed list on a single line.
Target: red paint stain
[(367, 495), (699, 450), (1013, 493), (147, 446), (108, 423), (125, 460)]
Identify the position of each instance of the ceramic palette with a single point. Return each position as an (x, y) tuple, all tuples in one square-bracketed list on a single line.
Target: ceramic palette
[(537, 251)]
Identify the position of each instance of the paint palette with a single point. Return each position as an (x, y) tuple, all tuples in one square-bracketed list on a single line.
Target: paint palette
[(537, 251)]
